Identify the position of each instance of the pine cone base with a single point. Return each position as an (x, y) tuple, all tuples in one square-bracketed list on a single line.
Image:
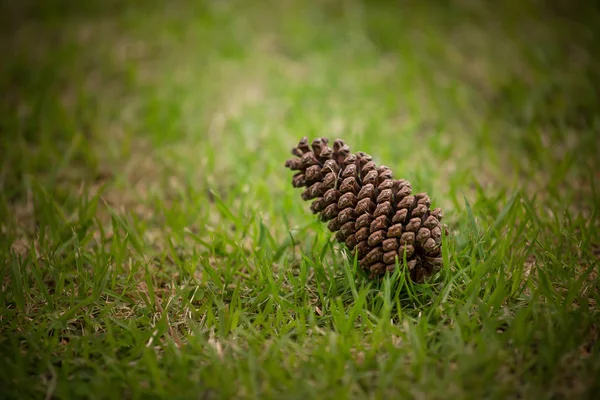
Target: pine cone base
[(377, 217)]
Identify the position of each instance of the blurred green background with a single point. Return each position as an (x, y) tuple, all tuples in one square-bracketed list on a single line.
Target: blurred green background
[(147, 140)]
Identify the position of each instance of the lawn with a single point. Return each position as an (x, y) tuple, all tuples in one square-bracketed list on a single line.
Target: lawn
[(152, 245)]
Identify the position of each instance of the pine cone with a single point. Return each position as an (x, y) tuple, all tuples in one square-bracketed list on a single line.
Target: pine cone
[(375, 216)]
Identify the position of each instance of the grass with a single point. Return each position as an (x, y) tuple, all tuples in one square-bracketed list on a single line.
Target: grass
[(152, 246)]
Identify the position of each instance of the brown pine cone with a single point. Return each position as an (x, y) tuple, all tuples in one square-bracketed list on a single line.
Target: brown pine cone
[(377, 217)]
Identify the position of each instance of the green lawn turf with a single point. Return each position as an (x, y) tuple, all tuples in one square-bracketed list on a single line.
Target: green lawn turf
[(152, 246)]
